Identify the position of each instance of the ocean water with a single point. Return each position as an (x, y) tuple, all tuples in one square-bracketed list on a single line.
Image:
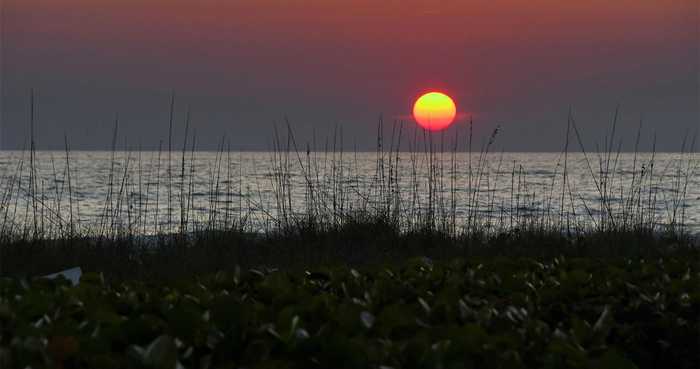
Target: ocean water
[(139, 192)]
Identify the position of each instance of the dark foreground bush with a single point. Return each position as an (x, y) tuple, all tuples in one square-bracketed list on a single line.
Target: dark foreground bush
[(465, 313)]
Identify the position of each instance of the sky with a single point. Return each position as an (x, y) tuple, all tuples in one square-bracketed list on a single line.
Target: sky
[(242, 67)]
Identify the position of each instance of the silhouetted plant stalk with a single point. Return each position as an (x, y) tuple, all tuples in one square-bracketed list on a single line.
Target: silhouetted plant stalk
[(431, 188)]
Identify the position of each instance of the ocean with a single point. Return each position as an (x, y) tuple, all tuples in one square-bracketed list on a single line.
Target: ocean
[(98, 192)]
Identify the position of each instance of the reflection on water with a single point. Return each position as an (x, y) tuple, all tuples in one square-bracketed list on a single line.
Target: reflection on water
[(135, 191)]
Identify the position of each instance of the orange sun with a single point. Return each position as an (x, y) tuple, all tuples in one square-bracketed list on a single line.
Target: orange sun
[(434, 111)]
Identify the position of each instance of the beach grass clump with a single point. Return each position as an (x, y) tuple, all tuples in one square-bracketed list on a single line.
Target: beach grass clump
[(434, 199), (360, 242), (415, 182)]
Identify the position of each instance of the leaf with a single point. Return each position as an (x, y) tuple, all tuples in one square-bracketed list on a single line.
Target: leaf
[(603, 321), (367, 319), (424, 305), (294, 331), (580, 329), (161, 353), (602, 327), (257, 273), (136, 353), (317, 276), (465, 312), (613, 360), (301, 334)]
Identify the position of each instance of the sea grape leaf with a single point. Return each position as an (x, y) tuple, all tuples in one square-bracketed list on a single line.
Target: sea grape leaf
[(367, 319), (602, 326), (161, 353), (613, 360)]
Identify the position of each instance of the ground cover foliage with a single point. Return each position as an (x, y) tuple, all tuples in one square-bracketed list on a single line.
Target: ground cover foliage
[(476, 312)]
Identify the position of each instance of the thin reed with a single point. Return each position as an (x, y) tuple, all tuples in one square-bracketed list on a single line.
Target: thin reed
[(423, 183)]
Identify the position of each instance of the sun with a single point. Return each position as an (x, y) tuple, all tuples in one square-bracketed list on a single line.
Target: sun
[(434, 111)]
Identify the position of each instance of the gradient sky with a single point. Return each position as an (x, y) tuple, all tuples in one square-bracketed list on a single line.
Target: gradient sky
[(242, 65)]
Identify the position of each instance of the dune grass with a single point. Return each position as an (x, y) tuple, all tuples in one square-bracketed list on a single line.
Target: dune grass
[(342, 219)]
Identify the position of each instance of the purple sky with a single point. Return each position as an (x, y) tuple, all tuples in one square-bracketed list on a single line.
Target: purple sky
[(241, 65)]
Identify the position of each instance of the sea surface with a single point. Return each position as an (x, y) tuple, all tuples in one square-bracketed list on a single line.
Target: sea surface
[(141, 193)]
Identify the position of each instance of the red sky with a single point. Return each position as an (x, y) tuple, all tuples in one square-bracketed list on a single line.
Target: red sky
[(243, 64)]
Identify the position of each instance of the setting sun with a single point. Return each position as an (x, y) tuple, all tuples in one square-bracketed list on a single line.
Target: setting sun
[(434, 111)]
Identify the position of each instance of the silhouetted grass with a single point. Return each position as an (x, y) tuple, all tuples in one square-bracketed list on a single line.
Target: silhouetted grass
[(342, 220), (359, 242)]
